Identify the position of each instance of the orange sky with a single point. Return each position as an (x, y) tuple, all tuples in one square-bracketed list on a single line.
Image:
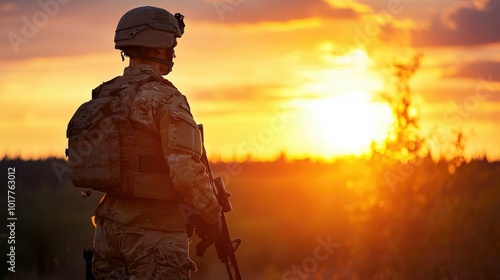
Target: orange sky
[(263, 76)]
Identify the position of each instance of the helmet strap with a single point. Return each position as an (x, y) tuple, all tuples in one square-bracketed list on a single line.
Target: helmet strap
[(167, 62)]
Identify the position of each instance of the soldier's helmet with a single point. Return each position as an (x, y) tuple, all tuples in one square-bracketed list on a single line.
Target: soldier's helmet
[(148, 27)]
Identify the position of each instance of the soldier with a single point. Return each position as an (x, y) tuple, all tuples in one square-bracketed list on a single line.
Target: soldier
[(145, 237)]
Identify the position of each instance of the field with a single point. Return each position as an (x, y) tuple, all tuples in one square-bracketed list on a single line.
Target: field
[(352, 219)]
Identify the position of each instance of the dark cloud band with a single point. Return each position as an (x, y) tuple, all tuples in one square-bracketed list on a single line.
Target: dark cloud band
[(471, 26)]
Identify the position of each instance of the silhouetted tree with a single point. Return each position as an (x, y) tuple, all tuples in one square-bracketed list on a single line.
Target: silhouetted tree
[(404, 141)]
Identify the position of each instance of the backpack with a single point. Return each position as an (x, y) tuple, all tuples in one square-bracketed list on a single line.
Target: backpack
[(100, 135)]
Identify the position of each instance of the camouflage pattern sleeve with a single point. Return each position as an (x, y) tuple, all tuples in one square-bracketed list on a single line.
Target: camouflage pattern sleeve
[(181, 142)]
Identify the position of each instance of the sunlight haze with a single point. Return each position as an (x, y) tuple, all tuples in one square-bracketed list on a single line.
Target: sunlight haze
[(302, 78)]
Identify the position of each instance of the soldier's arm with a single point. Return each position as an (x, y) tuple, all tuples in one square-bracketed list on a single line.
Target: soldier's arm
[(181, 142)]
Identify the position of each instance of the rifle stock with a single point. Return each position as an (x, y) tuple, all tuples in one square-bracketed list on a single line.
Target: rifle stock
[(88, 254), (225, 246)]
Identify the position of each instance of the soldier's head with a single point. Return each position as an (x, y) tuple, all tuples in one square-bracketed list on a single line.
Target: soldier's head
[(149, 34)]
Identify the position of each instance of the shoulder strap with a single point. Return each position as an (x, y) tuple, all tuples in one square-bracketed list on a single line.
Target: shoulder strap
[(97, 90)]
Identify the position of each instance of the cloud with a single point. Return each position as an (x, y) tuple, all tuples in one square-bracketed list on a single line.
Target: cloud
[(474, 70), (278, 11), (458, 95), (465, 26), (49, 28), (245, 93)]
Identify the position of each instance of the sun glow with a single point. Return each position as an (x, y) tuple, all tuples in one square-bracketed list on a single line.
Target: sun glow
[(346, 124), (339, 114)]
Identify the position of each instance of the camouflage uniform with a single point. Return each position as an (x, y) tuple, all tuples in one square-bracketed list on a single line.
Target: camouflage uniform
[(140, 238)]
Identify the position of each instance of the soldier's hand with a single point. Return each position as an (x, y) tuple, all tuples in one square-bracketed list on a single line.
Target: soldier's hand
[(209, 234)]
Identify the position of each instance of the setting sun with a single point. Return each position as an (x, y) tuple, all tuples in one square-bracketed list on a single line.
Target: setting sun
[(339, 114), (346, 124)]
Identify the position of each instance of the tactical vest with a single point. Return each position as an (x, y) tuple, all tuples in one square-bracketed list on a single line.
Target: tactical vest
[(108, 154)]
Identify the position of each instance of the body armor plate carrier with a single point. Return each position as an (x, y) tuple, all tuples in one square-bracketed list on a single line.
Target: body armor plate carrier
[(106, 153)]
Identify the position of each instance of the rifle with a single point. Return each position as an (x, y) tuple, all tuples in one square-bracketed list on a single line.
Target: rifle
[(87, 256), (225, 246)]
